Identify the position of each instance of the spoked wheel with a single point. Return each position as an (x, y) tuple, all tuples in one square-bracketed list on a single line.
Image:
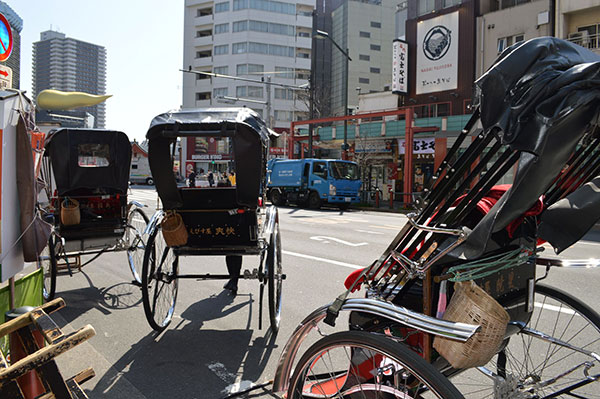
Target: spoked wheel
[(533, 366), (358, 364), (47, 262), (134, 241), (159, 281), (275, 277)]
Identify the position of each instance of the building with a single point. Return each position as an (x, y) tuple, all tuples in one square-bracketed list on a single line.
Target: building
[(14, 61), (255, 40), (67, 64)]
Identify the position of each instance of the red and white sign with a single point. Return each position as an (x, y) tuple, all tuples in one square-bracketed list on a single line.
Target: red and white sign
[(277, 150)]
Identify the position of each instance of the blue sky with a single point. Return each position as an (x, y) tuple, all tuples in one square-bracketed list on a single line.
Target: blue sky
[(144, 44)]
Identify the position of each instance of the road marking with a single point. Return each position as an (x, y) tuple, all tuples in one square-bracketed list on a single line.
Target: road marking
[(369, 231), (325, 240), (386, 226), (333, 262), (554, 308)]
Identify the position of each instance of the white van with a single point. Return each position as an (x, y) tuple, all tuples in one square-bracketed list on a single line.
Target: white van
[(140, 171)]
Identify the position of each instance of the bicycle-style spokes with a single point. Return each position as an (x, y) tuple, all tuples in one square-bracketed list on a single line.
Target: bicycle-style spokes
[(555, 356)]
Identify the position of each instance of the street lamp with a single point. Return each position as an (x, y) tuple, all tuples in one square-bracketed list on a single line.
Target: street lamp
[(321, 35)]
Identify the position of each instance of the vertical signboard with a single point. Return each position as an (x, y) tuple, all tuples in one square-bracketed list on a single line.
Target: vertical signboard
[(400, 67), (437, 54)]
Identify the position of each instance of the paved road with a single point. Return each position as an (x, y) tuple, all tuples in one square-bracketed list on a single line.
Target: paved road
[(213, 345)]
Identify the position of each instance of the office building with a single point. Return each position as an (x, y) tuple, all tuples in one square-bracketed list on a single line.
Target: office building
[(251, 39), (14, 61), (68, 64)]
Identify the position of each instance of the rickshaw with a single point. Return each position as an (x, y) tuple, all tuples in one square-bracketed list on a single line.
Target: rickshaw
[(86, 177), (215, 220), (455, 307)]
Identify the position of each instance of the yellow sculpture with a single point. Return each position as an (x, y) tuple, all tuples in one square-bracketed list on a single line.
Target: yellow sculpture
[(55, 100)]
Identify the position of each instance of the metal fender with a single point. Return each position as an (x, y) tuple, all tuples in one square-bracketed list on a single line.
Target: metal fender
[(154, 221), (402, 315), (272, 217)]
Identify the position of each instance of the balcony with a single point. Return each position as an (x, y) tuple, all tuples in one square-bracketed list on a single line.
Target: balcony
[(585, 39)]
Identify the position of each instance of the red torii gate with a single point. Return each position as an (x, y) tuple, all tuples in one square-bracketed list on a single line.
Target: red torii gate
[(409, 133)]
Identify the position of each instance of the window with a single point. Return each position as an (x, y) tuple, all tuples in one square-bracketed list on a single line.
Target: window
[(375, 47), (93, 155), (265, 5), (204, 33), (203, 96), (249, 69), (508, 41), (375, 24), (240, 91), (200, 76), (221, 28), (201, 12), (375, 70), (363, 80), (220, 92), (364, 57), (239, 48), (450, 3), (364, 34), (284, 73), (222, 7), (320, 169), (221, 70), (255, 91), (303, 34), (425, 6), (203, 54), (285, 116), (240, 26), (269, 27), (284, 94), (220, 50), (240, 5)]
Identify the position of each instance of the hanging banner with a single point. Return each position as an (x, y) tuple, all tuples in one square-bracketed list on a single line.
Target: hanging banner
[(437, 54), (400, 67), (420, 145)]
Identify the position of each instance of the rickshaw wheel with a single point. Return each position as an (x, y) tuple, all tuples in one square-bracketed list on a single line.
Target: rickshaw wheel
[(136, 224), (47, 262), (159, 281), (359, 364), (275, 278)]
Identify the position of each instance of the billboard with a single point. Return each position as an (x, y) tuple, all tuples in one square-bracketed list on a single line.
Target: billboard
[(437, 54), (400, 67)]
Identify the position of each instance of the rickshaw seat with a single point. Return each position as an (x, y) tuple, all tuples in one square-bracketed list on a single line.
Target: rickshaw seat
[(208, 198)]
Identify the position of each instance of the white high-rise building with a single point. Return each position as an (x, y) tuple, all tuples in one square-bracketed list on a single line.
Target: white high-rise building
[(253, 39)]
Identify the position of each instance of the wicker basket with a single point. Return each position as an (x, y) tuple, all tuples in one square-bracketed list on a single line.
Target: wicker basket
[(69, 212), (471, 304), (173, 229)]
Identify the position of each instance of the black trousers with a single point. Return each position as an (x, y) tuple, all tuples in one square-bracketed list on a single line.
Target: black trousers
[(234, 266)]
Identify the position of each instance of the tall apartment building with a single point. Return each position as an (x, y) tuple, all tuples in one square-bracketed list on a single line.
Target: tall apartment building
[(14, 61), (67, 64), (365, 28), (252, 39)]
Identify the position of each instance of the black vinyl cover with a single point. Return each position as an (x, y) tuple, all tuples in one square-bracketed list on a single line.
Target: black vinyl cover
[(250, 141), (541, 96), (62, 147)]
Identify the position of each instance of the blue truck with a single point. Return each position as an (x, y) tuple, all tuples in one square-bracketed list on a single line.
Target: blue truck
[(313, 182)]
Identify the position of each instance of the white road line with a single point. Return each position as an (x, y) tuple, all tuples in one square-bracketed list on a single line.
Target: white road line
[(554, 308), (333, 262), (369, 231)]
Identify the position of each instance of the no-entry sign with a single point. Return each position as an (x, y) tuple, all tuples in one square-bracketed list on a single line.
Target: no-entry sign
[(6, 39)]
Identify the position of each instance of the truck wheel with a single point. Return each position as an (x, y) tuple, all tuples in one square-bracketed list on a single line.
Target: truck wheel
[(314, 201), (149, 181), (276, 198)]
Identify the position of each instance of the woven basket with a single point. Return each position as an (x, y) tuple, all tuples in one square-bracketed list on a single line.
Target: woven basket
[(69, 212), (471, 304), (173, 229)]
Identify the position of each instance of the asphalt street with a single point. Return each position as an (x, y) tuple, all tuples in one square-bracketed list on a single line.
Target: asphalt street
[(213, 345)]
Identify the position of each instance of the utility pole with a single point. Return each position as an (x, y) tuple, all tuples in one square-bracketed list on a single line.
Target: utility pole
[(268, 90)]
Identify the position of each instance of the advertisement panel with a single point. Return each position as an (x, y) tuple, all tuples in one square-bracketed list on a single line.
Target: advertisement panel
[(422, 145), (437, 54), (400, 67)]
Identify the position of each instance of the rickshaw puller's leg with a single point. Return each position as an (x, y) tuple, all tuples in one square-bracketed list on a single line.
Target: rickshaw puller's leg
[(234, 266)]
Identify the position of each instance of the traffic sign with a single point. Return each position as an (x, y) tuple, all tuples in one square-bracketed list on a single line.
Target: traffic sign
[(5, 77), (6, 39)]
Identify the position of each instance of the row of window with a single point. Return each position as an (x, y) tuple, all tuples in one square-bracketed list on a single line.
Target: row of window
[(258, 69), (254, 92), (427, 6), (263, 48), (265, 5), (266, 27)]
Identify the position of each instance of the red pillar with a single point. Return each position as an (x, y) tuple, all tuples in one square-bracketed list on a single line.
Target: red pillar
[(408, 155)]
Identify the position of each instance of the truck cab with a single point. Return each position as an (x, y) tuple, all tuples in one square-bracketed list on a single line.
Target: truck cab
[(313, 182)]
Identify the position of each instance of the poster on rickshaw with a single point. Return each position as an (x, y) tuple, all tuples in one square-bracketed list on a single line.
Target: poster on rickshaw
[(11, 254)]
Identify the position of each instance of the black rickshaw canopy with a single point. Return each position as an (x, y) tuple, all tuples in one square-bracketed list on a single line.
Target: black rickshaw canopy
[(249, 134), (92, 159)]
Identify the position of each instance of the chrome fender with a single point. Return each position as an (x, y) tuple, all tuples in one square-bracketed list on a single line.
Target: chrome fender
[(272, 218), (154, 221), (402, 315)]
